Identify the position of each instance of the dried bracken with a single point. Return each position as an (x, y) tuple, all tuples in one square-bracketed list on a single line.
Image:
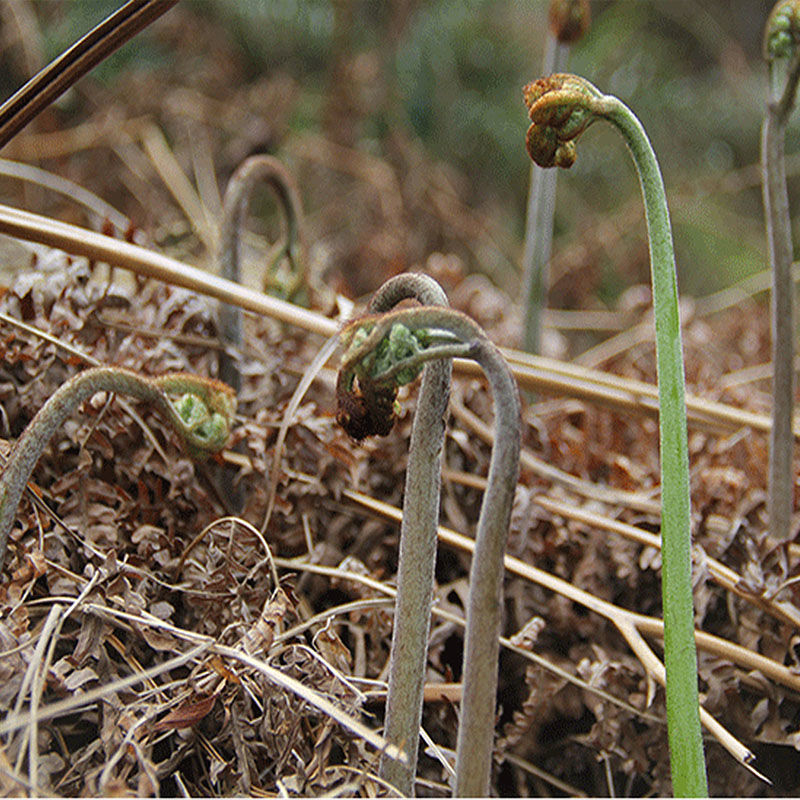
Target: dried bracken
[(137, 518), (136, 615)]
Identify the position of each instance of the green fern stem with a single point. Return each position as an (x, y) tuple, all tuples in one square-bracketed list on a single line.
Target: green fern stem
[(560, 108)]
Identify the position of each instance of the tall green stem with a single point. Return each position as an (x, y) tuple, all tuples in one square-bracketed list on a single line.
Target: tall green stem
[(201, 413), (561, 107), (780, 49), (442, 333)]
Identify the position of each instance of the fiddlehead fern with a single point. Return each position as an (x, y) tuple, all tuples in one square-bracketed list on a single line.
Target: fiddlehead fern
[(443, 333), (560, 108), (199, 409), (782, 30), (417, 558), (251, 172)]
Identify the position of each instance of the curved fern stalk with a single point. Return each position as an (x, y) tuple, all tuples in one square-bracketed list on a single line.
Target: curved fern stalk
[(560, 108), (200, 410), (781, 38), (417, 557), (568, 22), (250, 173), (382, 353)]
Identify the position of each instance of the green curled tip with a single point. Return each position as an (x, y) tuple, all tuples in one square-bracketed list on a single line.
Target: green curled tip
[(205, 409), (353, 337), (560, 108), (366, 400), (782, 31), (400, 345)]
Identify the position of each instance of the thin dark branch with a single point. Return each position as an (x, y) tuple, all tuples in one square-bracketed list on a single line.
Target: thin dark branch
[(52, 81)]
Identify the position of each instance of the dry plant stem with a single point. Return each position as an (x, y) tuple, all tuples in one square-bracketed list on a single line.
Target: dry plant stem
[(655, 669), (417, 558), (779, 245), (560, 108), (652, 626), (310, 374), (476, 728), (214, 396), (531, 372), (627, 622), (63, 186), (235, 205), (158, 150)]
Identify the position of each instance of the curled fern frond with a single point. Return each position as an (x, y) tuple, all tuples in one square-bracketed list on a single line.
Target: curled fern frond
[(560, 108), (201, 410), (782, 31)]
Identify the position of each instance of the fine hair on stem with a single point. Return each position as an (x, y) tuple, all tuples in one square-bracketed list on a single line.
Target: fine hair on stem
[(252, 171), (781, 37), (388, 350), (417, 557)]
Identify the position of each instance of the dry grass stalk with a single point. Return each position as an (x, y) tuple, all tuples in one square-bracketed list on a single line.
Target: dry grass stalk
[(534, 373)]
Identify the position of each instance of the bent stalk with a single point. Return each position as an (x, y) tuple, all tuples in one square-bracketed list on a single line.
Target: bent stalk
[(382, 353), (560, 108), (234, 208), (417, 558), (201, 412)]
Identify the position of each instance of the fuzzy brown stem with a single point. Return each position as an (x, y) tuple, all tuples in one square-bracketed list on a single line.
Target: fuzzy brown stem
[(779, 241), (779, 246), (476, 731)]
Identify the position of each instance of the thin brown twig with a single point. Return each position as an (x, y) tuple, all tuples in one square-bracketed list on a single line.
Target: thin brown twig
[(652, 626), (653, 666)]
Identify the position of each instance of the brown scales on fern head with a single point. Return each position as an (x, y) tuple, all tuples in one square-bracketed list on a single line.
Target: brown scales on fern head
[(364, 410)]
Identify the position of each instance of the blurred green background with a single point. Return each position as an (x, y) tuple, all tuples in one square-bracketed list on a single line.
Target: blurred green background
[(447, 77)]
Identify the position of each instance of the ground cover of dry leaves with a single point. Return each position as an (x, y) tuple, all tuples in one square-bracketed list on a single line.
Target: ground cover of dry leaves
[(134, 610)]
